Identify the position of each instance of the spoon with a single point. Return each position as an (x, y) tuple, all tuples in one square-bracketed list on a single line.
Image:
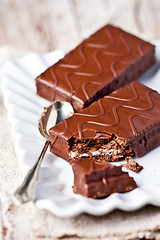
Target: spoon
[(54, 114)]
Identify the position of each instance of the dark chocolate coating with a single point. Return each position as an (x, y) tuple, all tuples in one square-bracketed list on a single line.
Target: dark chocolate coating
[(131, 113), (102, 63), (94, 180)]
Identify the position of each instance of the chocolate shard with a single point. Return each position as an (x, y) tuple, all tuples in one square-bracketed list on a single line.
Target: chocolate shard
[(132, 165), (124, 123), (94, 180), (102, 63)]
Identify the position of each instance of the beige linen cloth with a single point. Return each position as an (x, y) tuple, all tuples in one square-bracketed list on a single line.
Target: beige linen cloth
[(28, 222)]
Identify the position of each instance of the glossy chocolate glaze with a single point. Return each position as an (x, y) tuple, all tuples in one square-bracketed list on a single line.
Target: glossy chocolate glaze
[(93, 179), (131, 113), (102, 63)]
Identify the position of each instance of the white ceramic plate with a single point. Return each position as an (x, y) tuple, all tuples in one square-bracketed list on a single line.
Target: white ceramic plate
[(54, 190)]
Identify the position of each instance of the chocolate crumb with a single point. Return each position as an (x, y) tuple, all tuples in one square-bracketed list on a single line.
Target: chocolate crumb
[(132, 165)]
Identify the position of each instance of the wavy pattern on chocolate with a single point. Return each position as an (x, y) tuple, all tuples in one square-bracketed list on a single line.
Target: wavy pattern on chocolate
[(105, 54), (125, 112), (130, 119), (65, 130), (115, 111)]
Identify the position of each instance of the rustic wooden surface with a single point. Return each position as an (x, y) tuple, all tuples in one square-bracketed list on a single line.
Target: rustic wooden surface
[(44, 25)]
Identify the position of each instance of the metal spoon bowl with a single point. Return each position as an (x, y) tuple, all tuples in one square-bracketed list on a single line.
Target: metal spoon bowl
[(54, 114)]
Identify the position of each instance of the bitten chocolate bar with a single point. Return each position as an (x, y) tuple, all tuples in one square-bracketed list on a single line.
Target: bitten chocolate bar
[(93, 179), (124, 123), (102, 63)]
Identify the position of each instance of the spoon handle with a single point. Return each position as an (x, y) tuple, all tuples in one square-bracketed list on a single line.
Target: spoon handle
[(26, 192)]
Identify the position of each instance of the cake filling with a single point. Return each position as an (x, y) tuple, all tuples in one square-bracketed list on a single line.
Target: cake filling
[(113, 149)]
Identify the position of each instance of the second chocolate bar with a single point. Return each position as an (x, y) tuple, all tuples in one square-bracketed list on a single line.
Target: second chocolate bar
[(124, 123), (106, 61)]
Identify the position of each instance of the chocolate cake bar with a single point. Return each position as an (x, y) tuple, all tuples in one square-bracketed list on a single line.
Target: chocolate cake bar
[(124, 123), (93, 179), (102, 63)]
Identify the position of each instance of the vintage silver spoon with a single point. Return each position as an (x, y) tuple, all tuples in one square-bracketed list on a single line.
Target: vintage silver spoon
[(54, 114)]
